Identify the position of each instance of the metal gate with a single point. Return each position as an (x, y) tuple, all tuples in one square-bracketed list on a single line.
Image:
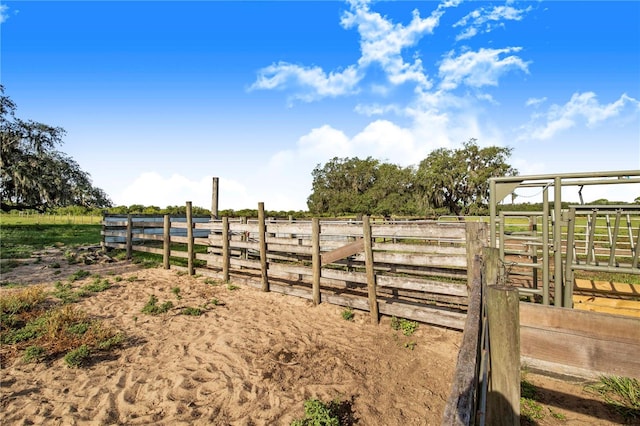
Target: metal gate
[(545, 248)]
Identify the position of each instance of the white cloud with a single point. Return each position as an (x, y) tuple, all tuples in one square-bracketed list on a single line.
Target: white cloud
[(484, 20), (312, 83), (151, 188), (582, 107), (535, 101), (478, 69), (3, 13), (381, 43)]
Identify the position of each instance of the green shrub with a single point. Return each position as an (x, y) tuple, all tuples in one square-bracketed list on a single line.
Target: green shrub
[(347, 314), (407, 327), (152, 307), (78, 357), (34, 353), (78, 275), (317, 413), (196, 312), (97, 285)]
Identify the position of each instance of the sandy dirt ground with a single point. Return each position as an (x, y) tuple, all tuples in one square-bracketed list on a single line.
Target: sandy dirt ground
[(252, 361)]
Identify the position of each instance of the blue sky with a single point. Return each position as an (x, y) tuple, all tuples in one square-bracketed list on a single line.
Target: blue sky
[(159, 97)]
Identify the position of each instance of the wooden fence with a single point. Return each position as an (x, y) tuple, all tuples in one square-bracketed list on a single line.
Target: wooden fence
[(410, 269), (501, 333)]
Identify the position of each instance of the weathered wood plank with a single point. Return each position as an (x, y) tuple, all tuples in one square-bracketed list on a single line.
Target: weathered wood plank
[(459, 410), (432, 230), (289, 248), (420, 248), (591, 324), (429, 286), (342, 252), (426, 314), (597, 354), (148, 249), (459, 262), (290, 269)]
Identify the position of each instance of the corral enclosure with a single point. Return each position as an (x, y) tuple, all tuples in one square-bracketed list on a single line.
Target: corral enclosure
[(411, 269)]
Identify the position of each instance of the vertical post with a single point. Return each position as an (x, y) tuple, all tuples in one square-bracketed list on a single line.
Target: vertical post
[(262, 231), (190, 254), (103, 241), (371, 274), (226, 261), (503, 400), (476, 236), (214, 198), (492, 212), (244, 238), (568, 272), (545, 246), (316, 260), (557, 242), (166, 240), (491, 266), (129, 236)]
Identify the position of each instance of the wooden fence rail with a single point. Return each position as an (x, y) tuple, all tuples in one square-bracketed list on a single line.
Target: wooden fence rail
[(410, 269)]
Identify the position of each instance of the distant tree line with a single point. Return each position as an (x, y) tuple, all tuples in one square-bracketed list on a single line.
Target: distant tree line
[(447, 181), (33, 173)]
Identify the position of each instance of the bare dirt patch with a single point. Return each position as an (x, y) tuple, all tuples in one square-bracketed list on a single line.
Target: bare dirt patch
[(251, 359)]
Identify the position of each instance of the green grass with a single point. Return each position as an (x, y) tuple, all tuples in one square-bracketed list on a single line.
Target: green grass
[(20, 241), (49, 219), (621, 393), (152, 307), (41, 329), (347, 314), (317, 413), (407, 327)]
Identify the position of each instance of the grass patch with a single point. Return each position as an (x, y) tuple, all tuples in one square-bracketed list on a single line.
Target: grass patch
[(34, 353), (232, 287), (98, 285), (78, 275), (40, 329), (347, 314), (621, 393), (318, 413), (78, 357), (152, 307), (407, 327), (176, 292), (20, 241), (196, 312)]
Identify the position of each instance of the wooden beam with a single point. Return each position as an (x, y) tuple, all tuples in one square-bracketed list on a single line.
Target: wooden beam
[(342, 252), (371, 274)]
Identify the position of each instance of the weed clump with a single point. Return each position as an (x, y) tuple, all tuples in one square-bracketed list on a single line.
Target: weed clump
[(347, 314), (152, 307), (407, 327)]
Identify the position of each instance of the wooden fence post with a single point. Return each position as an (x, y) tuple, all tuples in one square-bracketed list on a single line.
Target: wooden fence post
[(190, 254), (225, 249), (214, 198), (262, 230), (491, 265), (166, 240), (371, 274), (316, 261), (503, 399), (244, 254), (476, 238), (129, 236)]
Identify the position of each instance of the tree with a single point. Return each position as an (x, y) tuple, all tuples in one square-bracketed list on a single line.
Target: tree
[(341, 185), (459, 179), (33, 174)]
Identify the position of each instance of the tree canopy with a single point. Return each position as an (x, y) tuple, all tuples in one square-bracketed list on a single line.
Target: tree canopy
[(447, 181), (33, 173)]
